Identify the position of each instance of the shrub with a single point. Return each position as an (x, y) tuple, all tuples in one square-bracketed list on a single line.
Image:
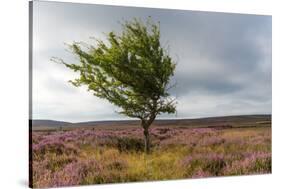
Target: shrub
[(54, 162), (214, 164), (75, 173), (58, 148), (126, 144), (201, 174), (252, 163)]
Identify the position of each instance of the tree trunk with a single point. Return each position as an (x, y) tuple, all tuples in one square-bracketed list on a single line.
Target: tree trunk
[(146, 141), (145, 125)]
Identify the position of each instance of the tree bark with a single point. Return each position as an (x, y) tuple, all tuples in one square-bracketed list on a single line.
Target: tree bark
[(146, 140), (145, 125)]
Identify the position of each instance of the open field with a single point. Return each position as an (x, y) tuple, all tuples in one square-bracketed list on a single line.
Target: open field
[(96, 155)]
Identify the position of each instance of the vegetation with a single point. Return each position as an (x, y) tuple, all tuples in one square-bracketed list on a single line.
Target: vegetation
[(131, 70), (87, 156)]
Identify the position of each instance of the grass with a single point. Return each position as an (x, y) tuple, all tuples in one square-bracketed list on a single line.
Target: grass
[(85, 156)]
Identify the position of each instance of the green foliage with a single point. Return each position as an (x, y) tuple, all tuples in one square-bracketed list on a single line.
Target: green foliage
[(131, 70)]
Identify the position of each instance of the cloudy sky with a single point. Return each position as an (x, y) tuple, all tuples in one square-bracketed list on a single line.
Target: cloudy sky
[(223, 60)]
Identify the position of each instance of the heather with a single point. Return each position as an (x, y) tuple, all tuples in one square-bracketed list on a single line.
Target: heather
[(94, 156)]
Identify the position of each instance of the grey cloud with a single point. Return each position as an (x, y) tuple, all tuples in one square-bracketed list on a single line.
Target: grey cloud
[(223, 60), (53, 84)]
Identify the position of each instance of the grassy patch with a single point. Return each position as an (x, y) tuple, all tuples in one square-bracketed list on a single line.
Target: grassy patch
[(117, 156)]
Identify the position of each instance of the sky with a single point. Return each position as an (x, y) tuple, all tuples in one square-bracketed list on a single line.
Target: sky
[(224, 61)]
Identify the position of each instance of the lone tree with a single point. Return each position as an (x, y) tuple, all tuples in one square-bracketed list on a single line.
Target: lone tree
[(130, 70)]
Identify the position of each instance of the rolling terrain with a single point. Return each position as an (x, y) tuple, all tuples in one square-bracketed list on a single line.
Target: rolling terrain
[(218, 122)]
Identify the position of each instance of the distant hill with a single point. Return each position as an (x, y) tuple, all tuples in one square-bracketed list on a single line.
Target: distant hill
[(47, 123), (223, 121)]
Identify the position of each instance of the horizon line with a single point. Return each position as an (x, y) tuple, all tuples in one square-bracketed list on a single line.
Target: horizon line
[(229, 115)]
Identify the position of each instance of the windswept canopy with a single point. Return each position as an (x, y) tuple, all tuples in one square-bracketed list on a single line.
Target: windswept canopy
[(131, 70)]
